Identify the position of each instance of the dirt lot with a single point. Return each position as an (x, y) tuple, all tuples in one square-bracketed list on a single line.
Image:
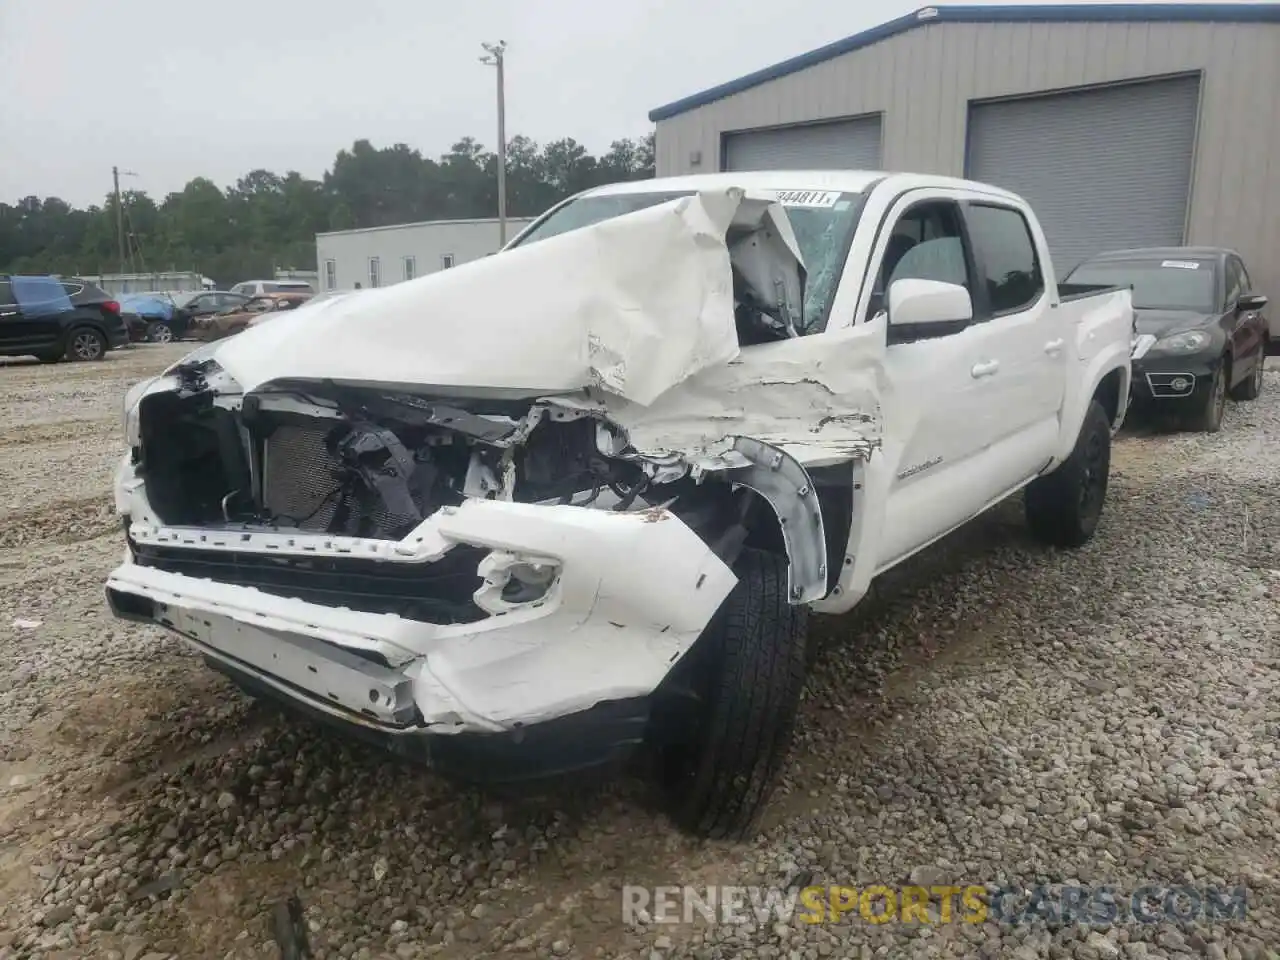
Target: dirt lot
[(995, 714)]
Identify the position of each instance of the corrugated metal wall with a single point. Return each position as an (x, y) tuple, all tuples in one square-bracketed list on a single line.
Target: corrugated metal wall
[(1105, 168), (924, 80), (842, 143)]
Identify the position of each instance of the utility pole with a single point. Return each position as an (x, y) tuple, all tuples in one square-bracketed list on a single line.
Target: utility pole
[(495, 56), (115, 178)]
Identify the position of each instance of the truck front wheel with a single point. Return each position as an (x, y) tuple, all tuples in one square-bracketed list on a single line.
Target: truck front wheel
[(748, 675), (1063, 508)]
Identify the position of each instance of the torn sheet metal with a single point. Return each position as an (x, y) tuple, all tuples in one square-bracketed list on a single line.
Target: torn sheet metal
[(819, 398), (632, 306)]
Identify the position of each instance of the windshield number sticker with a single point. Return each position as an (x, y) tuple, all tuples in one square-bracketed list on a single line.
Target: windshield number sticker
[(806, 198), (1181, 264)]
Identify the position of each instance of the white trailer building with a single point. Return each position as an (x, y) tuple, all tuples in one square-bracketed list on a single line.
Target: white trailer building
[(378, 256)]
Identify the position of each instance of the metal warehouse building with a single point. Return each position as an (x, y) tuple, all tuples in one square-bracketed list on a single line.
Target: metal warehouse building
[(1122, 124), (378, 256)]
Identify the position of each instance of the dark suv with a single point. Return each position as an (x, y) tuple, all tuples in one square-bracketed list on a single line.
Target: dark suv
[(51, 318)]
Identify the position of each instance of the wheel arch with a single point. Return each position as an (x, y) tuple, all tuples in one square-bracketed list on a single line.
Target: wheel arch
[(805, 514)]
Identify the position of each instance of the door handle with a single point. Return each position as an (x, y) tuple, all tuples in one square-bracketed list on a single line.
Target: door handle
[(8, 313), (1054, 347), (987, 369)]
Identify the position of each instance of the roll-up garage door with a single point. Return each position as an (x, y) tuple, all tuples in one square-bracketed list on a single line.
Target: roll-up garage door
[(838, 145), (1104, 168)]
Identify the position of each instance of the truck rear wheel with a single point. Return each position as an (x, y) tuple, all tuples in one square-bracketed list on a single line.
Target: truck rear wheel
[(1063, 508), (749, 677)]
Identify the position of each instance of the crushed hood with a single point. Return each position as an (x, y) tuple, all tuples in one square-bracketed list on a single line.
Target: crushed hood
[(633, 306)]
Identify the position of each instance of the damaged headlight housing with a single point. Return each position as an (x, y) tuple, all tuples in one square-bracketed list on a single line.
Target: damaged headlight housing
[(1189, 341), (512, 581)]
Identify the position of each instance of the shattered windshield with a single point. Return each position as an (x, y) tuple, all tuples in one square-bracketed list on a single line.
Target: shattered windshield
[(823, 222)]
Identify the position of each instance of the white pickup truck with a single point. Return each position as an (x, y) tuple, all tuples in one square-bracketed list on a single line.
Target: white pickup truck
[(522, 517)]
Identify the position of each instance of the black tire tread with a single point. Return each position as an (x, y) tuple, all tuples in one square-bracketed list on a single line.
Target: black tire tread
[(1203, 420), (759, 665), (1053, 501), (1250, 389)]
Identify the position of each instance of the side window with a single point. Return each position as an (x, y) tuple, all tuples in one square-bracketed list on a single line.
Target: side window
[(926, 244), (1246, 285), (1006, 256)]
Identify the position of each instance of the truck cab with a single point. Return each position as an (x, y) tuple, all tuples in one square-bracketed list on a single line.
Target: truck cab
[(535, 513)]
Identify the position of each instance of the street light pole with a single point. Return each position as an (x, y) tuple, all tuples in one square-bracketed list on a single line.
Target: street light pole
[(496, 57)]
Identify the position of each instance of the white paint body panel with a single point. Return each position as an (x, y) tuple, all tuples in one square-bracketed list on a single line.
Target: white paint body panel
[(585, 308), (634, 592)]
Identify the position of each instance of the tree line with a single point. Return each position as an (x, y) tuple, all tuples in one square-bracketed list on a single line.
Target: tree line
[(268, 221)]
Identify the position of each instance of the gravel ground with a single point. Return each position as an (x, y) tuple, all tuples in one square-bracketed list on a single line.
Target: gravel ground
[(995, 714)]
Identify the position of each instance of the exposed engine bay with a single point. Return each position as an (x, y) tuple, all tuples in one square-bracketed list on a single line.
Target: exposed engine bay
[(370, 464)]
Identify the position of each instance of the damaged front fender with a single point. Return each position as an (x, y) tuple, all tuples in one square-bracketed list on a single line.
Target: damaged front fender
[(782, 482)]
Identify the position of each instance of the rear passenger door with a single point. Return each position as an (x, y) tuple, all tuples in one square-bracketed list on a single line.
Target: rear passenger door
[(1023, 343)]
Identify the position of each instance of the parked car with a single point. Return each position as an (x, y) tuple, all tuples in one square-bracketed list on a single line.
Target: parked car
[(208, 302), (254, 288), (517, 526), (52, 318), (319, 298), (235, 319), (1202, 331), (150, 317)]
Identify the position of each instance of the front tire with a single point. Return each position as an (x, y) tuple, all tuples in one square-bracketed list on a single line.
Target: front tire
[(1064, 507), (750, 677), (1251, 388), (159, 332), (1208, 419), (85, 344)]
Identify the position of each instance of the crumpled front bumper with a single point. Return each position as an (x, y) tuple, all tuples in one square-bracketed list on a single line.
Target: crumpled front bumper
[(632, 594)]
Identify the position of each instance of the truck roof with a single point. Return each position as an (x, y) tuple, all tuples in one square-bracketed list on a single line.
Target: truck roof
[(850, 181)]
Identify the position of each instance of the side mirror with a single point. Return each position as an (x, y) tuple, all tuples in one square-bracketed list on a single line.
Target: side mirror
[(919, 309), (1251, 301)]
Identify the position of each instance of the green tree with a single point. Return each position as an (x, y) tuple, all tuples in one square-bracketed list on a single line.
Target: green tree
[(268, 220)]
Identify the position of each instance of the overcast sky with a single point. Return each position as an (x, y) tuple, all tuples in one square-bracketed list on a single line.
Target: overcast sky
[(173, 89)]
